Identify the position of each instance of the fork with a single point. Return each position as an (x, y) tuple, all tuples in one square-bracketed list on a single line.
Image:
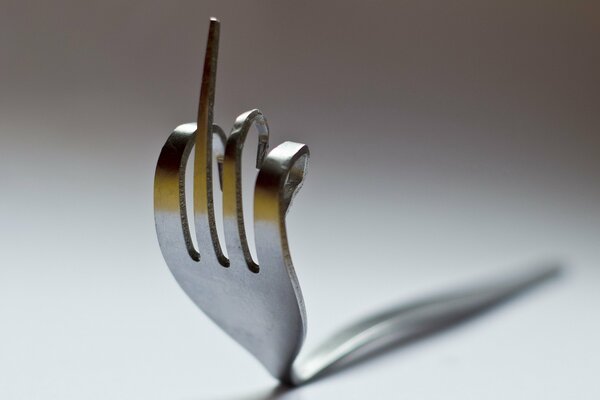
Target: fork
[(259, 302)]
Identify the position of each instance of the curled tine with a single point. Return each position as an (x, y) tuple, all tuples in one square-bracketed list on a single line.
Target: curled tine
[(204, 211), (169, 195), (278, 180), (169, 190), (233, 209)]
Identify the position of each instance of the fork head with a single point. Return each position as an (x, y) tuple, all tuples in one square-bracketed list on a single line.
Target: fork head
[(257, 302)]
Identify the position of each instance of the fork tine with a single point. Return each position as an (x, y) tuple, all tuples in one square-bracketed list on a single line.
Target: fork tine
[(204, 211), (233, 210), (169, 195), (278, 181)]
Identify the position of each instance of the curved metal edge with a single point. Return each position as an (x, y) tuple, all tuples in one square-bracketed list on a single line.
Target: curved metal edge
[(233, 209), (279, 178), (170, 209), (170, 213)]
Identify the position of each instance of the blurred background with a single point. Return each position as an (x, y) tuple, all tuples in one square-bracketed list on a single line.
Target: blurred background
[(449, 141)]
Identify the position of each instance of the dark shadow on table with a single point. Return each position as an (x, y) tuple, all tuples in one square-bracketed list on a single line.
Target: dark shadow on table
[(420, 319)]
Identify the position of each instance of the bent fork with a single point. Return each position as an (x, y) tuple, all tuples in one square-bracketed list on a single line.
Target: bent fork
[(259, 302)]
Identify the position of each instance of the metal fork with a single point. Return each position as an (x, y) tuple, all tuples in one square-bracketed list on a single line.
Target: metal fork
[(259, 302)]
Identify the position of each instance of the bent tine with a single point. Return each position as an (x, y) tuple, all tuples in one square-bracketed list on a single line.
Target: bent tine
[(233, 208)]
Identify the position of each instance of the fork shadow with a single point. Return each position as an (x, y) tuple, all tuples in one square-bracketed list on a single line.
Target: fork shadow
[(284, 392), (426, 330), (279, 392)]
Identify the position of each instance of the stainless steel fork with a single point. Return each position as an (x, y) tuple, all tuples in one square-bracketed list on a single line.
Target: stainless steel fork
[(259, 302)]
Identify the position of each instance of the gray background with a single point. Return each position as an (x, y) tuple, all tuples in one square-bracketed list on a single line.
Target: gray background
[(449, 141)]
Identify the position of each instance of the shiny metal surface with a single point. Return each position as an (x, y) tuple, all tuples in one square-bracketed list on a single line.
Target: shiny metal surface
[(259, 302), (263, 310)]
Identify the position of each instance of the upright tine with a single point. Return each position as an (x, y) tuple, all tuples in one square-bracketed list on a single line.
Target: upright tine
[(204, 210)]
